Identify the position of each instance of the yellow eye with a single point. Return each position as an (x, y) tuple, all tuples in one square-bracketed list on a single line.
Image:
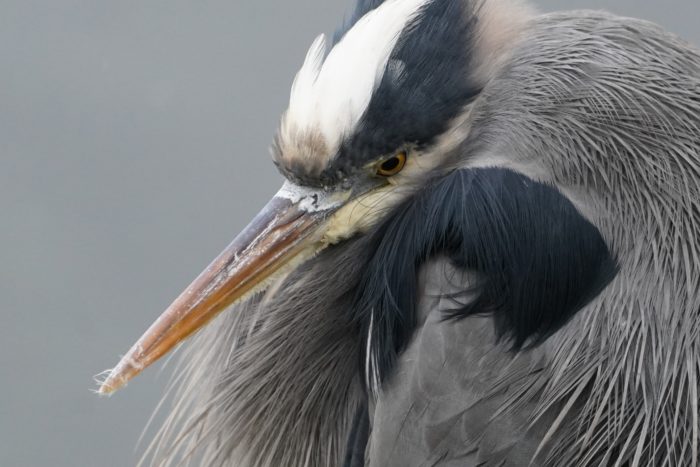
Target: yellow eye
[(392, 165)]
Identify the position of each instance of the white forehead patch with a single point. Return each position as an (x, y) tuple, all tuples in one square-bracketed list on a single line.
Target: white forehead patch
[(329, 97)]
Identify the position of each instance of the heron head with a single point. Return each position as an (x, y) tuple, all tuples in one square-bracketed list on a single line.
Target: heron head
[(373, 113)]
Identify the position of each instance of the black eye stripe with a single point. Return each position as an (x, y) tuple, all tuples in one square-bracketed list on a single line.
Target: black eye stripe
[(435, 52)]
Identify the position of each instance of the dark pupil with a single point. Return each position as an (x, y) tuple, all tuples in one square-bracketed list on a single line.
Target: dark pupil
[(390, 164)]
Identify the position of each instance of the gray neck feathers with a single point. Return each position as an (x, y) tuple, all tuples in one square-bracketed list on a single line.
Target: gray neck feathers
[(253, 384), (617, 105)]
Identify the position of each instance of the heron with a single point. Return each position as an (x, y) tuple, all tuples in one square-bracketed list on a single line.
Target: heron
[(484, 253)]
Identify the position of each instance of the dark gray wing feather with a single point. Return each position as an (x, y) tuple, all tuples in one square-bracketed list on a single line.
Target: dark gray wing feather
[(456, 398)]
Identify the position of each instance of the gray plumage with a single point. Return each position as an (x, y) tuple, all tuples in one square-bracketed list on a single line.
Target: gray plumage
[(606, 109)]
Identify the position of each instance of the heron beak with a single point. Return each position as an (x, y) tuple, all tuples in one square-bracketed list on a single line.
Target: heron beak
[(291, 223)]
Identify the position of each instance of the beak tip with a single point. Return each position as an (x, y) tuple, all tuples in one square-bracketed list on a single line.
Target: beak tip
[(116, 378), (112, 384), (106, 383), (107, 389)]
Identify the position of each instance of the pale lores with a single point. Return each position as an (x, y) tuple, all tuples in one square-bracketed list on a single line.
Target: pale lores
[(485, 253)]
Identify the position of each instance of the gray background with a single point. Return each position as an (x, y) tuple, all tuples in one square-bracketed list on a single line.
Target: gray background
[(133, 146)]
